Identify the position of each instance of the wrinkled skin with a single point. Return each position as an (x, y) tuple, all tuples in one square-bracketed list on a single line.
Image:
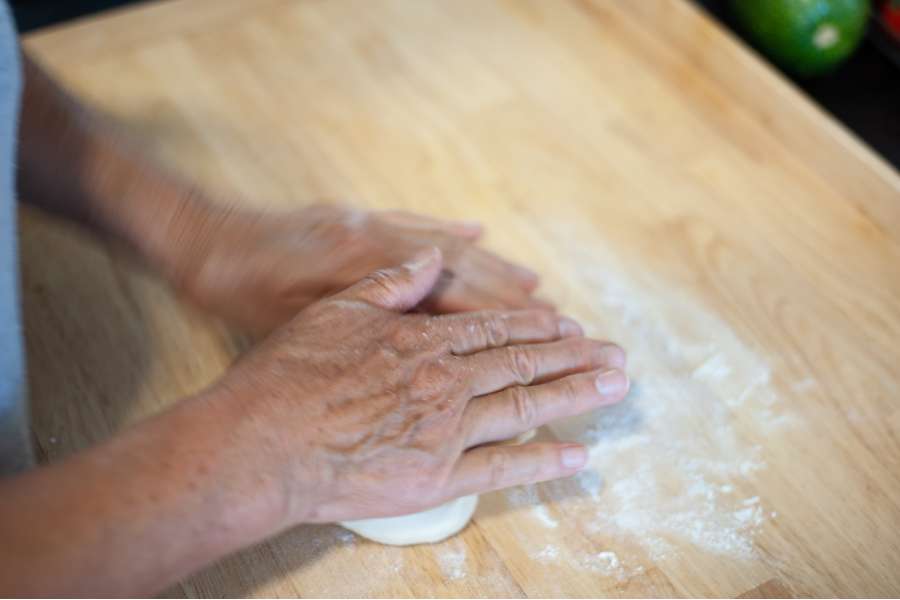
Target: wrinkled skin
[(258, 269), (377, 411)]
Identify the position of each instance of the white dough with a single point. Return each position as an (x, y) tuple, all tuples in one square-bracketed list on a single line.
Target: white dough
[(426, 527)]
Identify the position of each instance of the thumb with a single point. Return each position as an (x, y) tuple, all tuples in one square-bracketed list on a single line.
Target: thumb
[(400, 288)]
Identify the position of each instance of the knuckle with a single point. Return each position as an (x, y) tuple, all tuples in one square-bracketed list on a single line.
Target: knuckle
[(430, 329), (381, 277), (382, 280), (498, 469), (496, 331), (570, 391), (521, 364), (523, 407), (403, 338)]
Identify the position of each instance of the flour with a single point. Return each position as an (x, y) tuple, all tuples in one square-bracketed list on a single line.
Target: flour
[(527, 496), (547, 554), (541, 512), (319, 543), (452, 560), (590, 482), (345, 537), (667, 466), (805, 386), (607, 564), (713, 367), (395, 563), (671, 468)]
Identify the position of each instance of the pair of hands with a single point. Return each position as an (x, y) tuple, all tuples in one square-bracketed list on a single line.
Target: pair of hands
[(370, 409), (355, 406)]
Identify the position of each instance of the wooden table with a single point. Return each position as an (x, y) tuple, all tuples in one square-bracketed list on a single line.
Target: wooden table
[(676, 195)]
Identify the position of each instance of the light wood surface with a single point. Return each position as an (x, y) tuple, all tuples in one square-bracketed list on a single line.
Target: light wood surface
[(676, 196)]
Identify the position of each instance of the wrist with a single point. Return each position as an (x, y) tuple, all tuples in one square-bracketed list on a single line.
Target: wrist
[(167, 222), (240, 463), (174, 229), (281, 475), (143, 509), (121, 193)]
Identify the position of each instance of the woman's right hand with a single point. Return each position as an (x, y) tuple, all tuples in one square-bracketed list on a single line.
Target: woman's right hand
[(367, 410)]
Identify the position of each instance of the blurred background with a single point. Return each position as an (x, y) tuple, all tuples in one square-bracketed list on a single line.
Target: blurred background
[(845, 54)]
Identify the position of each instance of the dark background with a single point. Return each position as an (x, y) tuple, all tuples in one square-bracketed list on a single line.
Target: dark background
[(864, 93)]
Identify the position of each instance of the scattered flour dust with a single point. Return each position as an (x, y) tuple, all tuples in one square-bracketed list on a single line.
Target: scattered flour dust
[(451, 557), (607, 564), (345, 537), (527, 496), (547, 554), (667, 464)]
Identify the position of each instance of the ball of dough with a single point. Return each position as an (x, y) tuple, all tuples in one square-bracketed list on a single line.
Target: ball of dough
[(426, 527)]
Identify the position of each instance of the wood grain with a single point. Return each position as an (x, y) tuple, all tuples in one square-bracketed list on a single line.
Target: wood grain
[(674, 193)]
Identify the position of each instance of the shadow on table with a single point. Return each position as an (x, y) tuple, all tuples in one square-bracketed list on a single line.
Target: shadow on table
[(252, 570), (87, 343), (89, 310)]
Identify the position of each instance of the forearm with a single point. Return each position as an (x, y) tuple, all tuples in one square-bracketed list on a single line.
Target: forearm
[(138, 513), (73, 162)]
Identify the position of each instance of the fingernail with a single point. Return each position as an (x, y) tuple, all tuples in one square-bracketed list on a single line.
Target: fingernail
[(573, 457), (569, 328), (614, 356), (612, 383), (421, 259)]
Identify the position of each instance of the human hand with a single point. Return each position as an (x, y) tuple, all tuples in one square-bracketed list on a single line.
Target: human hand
[(253, 268), (258, 269), (371, 411)]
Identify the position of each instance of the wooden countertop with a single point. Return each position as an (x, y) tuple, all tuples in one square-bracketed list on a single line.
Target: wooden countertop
[(677, 197)]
